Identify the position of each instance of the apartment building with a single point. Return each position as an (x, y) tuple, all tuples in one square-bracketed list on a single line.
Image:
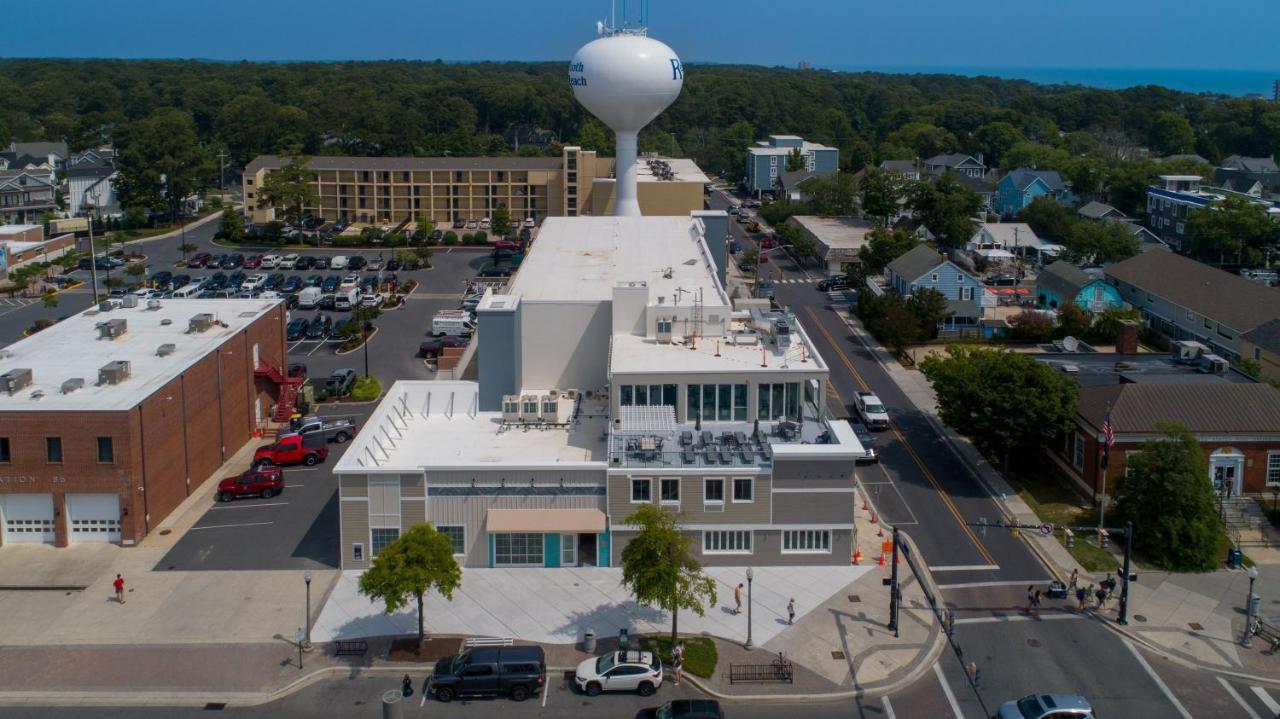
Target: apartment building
[(111, 418), (767, 160), (614, 372), (389, 190), (1172, 202)]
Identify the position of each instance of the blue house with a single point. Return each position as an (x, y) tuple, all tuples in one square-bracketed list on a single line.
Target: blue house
[(767, 160), (923, 268), (1018, 188), (1063, 282)]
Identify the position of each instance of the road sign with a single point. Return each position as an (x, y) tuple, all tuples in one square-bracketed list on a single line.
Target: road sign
[(1046, 529)]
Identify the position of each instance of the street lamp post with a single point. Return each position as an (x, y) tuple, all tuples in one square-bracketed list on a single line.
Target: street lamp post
[(751, 575), (1248, 626), (306, 577)]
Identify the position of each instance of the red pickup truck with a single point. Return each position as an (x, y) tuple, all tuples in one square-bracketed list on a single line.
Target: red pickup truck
[(265, 482), (292, 449)]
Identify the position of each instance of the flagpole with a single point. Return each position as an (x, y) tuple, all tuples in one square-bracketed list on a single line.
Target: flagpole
[(1108, 439)]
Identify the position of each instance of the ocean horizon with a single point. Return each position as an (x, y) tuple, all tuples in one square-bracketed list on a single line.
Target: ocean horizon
[(1227, 82)]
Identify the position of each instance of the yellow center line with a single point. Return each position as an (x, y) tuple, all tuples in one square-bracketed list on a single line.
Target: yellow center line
[(968, 531)]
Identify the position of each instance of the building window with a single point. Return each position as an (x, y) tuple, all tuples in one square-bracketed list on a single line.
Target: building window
[(726, 542), (713, 490), (106, 450), (53, 449), (778, 401), (1078, 458), (934, 277), (664, 327), (669, 490), (457, 537), (517, 550), (4, 450), (966, 293), (1273, 468), (380, 537), (641, 490), (357, 552), (806, 541), (744, 489)]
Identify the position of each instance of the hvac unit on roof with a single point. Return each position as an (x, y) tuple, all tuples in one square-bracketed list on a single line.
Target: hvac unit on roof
[(72, 385), (112, 329), (14, 380), (153, 304), (200, 323), (511, 408), (166, 349), (129, 301), (1213, 364), (114, 372)]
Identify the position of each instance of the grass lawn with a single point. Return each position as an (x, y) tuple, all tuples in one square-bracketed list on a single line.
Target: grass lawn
[(1054, 502), (699, 653)]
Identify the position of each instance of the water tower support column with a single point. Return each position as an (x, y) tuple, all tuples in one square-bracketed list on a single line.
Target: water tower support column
[(626, 204)]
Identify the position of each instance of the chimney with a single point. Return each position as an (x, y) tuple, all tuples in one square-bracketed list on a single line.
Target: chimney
[(1127, 337)]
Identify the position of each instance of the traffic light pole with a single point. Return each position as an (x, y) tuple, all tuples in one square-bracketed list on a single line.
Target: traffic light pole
[(1124, 586), (894, 593)]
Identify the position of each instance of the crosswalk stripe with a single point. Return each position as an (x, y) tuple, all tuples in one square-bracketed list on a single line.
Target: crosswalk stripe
[(1266, 700), (1239, 700), (1164, 688)]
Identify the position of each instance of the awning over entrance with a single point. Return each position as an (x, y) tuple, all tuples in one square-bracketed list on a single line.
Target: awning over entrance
[(569, 521)]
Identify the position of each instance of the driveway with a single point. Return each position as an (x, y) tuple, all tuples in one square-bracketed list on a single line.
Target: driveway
[(555, 606)]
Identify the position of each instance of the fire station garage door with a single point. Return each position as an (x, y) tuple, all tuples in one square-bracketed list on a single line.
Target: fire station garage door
[(27, 518), (94, 517)]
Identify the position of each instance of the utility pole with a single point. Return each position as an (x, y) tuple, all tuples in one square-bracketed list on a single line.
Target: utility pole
[(1123, 618), (222, 170), (893, 587), (93, 257)]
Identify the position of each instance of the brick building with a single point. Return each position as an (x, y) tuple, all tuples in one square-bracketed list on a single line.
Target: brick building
[(111, 418)]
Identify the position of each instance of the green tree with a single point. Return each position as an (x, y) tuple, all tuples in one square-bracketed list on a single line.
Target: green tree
[(880, 193), (420, 561), (289, 188), (230, 228), (659, 567), (831, 195), (162, 162), (1048, 218), (49, 299), (1030, 326), (888, 318), (994, 139), (1166, 493), (186, 248), (929, 307), (1234, 229), (884, 246), (1072, 320), (1004, 401), (1101, 242), (947, 208), (502, 222), (795, 160), (1171, 134), (923, 139), (424, 227), (594, 136)]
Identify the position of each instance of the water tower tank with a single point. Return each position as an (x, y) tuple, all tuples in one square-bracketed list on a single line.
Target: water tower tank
[(626, 79)]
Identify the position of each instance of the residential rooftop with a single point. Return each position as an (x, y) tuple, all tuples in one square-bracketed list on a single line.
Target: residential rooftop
[(764, 148), (157, 341), (582, 259), (1221, 296), (423, 424), (1097, 369), (842, 233)]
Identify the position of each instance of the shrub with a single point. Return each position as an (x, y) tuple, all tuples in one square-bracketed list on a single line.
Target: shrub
[(366, 388), (40, 325), (700, 655), (450, 238), (1031, 326), (481, 237), (468, 238)]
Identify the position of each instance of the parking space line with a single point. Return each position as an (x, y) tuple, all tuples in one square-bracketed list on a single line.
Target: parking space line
[(1231, 692), (1164, 688), (546, 691), (223, 526), (963, 567), (294, 486), (303, 469), (251, 506), (1266, 700), (946, 689)]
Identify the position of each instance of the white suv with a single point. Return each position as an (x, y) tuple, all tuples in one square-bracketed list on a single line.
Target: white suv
[(270, 261), (629, 671), (339, 262), (288, 263)]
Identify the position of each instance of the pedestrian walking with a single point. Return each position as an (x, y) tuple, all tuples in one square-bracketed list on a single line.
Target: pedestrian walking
[(677, 660), (1075, 580), (1035, 602), (1081, 595), (119, 585), (1101, 596), (406, 686), (791, 611), (1031, 597), (737, 599)]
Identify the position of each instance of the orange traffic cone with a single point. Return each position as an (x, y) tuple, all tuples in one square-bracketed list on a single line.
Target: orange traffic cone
[(864, 503), (897, 559), (873, 517), (880, 562), (880, 532), (857, 557)]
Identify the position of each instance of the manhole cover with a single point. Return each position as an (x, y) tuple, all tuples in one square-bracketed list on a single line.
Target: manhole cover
[(1033, 643), (1194, 625), (855, 598), (1140, 618), (165, 532), (837, 655)]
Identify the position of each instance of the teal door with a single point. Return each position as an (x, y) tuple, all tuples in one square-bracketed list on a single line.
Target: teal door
[(602, 549), (551, 550)]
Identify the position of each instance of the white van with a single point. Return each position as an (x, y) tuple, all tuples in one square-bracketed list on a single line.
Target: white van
[(347, 300), (453, 322), (269, 261), (309, 297), (187, 291)]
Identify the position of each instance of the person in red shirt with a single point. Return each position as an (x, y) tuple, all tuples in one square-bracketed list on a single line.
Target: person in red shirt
[(119, 585)]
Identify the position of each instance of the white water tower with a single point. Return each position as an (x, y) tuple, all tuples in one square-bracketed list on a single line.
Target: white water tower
[(626, 79)]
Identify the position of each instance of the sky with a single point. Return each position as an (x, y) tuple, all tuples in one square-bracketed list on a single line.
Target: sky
[(826, 33)]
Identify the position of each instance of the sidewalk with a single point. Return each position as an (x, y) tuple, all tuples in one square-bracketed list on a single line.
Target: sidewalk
[(1196, 618)]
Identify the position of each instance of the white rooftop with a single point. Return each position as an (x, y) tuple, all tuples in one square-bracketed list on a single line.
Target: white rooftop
[(685, 170), (423, 424), (739, 352), (72, 349), (766, 149), (16, 229), (844, 233), (581, 259), (1009, 234)]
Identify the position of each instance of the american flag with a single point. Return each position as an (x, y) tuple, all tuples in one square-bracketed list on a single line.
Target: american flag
[(1109, 438)]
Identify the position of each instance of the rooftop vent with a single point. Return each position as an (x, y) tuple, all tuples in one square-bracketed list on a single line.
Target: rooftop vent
[(129, 301), (14, 380), (112, 329), (166, 349), (72, 385), (106, 305), (153, 304), (200, 323), (114, 372), (166, 322)]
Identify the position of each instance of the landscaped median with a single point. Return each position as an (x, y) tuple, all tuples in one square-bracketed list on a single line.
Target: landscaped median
[(700, 654)]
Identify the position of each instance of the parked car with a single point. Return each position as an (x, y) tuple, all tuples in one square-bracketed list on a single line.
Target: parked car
[(297, 329), (340, 382), (733, 209), (526, 234), (297, 369), (1003, 279), (339, 262), (472, 224), (394, 264), (265, 481), (495, 272), (292, 449), (337, 430), (529, 222), (330, 284), (270, 261), (253, 262), (234, 262), (356, 262), (274, 281), (326, 302), (622, 671), (1047, 706), (197, 261), (833, 282), (305, 262), (867, 441), (235, 280), (517, 672), (162, 280), (411, 264), (436, 236), (322, 263), (433, 347), (684, 709), (485, 223), (458, 224), (319, 327), (180, 281), (765, 289), (292, 283), (217, 281), (509, 245), (216, 261), (339, 328), (288, 262)]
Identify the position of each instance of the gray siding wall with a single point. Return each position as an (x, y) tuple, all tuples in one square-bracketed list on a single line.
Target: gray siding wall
[(836, 473), (826, 160), (353, 485), (767, 551), (691, 507), (516, 477), (1184, 327), (469, 512), (499, 357), (355, 530), (814, 507), (412, 511)]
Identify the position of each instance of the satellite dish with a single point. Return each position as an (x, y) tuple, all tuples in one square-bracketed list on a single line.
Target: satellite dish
[(1070, 344)]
